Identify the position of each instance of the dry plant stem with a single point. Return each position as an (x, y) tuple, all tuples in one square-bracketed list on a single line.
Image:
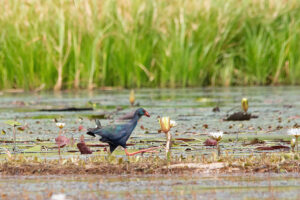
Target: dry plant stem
[(168, 145)]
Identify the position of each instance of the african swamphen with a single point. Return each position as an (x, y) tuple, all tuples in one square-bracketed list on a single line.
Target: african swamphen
[(117, 135)]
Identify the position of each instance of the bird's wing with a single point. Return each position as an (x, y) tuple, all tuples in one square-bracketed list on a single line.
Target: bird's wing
[(109, 133)]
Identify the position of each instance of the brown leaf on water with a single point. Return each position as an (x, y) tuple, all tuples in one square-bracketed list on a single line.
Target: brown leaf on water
[(273, 148), (280, 147), (264, 148), (205, 126), (83, 148), (255, 141), (185, 139), (216, 109), (22, 128), (210, 142), (240, 116)]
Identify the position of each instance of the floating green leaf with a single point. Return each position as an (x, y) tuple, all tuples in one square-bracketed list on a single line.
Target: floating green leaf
[(12, 123), (36, 148)]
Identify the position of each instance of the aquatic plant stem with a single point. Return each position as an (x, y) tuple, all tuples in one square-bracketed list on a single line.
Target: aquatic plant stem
[(14, 135), (218, 148), (59, 134), (297, 143), (237, 137), (168, 144)]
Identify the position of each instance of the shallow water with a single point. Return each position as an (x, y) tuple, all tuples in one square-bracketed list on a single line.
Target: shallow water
[(190, 186), (278, 109)]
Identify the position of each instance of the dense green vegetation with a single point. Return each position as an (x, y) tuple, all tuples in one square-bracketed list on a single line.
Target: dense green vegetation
[(147, 43)]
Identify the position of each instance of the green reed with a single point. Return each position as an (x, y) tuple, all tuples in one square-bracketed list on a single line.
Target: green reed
[(148, 43)]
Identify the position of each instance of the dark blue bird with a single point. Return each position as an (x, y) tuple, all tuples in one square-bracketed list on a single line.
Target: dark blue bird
[(117, 135)]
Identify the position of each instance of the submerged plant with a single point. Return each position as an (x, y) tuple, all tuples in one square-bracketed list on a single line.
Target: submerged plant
[(296, 133), (218, 137), (245, 104), (14, 124)]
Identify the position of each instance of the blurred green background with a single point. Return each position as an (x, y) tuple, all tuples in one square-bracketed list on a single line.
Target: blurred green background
[(148, 43)]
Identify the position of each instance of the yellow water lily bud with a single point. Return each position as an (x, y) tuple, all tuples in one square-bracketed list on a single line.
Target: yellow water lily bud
[(131, 97), (245, 104), (165, 124)]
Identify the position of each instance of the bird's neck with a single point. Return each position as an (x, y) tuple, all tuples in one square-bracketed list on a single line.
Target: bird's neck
[(134, 121)]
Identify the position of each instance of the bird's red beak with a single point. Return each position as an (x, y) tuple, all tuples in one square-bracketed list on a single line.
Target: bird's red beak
[(147, 114)]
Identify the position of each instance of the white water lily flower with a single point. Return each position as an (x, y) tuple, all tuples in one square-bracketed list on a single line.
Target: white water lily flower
[(294, 131), (60, 125), (216, 135), (173, 123)]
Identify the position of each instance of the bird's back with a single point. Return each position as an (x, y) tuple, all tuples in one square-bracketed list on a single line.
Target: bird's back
[(110, 134)]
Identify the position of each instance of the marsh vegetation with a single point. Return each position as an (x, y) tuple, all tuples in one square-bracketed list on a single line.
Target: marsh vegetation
[(87, 44)]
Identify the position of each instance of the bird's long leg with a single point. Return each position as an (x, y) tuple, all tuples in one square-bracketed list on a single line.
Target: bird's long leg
[(141, 151)]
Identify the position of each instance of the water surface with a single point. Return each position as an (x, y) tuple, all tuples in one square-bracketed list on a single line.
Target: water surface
[(278, 109)]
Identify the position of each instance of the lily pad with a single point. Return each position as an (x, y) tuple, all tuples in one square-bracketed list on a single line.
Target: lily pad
[(36, 148), (12, 123)]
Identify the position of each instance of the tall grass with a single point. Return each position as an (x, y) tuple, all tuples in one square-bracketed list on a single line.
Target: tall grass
[(148, 43)]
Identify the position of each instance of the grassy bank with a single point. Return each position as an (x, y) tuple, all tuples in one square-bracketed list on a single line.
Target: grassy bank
[(90, 43), (275, 163)]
